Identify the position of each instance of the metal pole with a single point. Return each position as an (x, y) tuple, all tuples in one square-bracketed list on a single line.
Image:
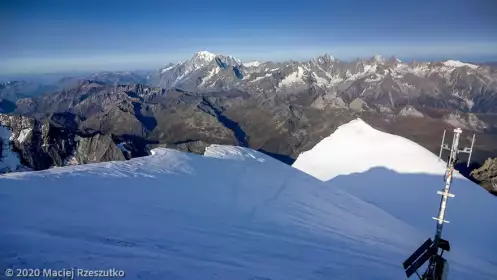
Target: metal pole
[(446, 191), (442, 145), (471, 151)]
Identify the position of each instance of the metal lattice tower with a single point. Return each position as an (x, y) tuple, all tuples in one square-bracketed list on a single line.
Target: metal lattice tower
[(438, 266)]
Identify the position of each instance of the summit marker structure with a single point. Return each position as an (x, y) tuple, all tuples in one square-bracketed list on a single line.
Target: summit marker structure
[(433, 250)]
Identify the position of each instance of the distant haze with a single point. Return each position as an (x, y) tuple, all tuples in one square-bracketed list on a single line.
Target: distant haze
[(56, 36)]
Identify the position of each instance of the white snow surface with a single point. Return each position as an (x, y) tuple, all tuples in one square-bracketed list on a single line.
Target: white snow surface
[(168, 68), (211, 74), (456, 63), (231, 214), (23, 134), (293, 78), (205, 55), (252, 64), (320, 81), (378, 58), (357, 147), (234, 153), (175, 215), (413, 199), (262, 77)]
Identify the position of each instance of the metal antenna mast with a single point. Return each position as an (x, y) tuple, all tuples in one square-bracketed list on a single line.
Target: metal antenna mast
[(438, 266)]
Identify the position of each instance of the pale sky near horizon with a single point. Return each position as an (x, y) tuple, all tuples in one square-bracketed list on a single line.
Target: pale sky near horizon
[(76, 35)]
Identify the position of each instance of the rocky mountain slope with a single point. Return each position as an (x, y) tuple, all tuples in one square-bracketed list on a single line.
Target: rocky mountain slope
[(487, 175), (278, 125), (56, 141), (279, 108)]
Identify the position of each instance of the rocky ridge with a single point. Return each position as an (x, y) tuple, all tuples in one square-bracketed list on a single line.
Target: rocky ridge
[(45, 144), (487, 175)]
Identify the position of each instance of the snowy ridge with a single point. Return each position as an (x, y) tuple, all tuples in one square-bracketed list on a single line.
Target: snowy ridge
[(205, 56), (175, 215), (195, 216), (456, 63), (378, 58), (213, 72), (234, 153), (294, 78), (366, 148), (23, 135)]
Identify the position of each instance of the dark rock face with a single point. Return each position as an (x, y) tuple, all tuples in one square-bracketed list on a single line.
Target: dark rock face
[(97, 148), (487, 175), (55, 140), (40, 145), (196, 146)]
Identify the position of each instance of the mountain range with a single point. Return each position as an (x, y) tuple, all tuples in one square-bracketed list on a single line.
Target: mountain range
[(279, 108), (383, 84)]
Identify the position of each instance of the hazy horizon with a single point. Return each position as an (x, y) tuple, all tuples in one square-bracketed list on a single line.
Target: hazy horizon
[(79, 36)]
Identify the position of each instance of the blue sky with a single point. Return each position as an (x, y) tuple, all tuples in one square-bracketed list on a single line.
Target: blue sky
[(72, 35)]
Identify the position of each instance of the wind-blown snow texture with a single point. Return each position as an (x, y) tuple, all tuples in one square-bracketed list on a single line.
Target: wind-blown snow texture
[(174, 215), (402, 178)]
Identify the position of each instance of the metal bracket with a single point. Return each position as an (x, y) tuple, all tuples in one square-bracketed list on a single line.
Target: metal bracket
[(448, 194), (443, 221)]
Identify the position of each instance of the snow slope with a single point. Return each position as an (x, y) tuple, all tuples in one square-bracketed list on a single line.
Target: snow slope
[(175, 215), (357, 147), (402, 178), (413, 199), (235, 153)]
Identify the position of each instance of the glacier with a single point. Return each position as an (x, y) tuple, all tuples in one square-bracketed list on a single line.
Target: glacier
[(175, 215), (233, 213)]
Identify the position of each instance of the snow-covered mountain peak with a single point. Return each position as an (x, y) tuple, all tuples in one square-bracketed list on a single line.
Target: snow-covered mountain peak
[(457, 63), (204, 55), (366, 148), (325, 58), (378, 58), (199, 60)]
